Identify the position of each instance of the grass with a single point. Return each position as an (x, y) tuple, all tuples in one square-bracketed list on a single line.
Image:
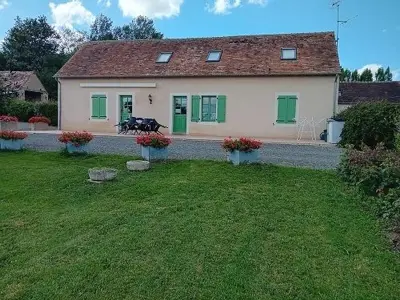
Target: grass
[(185, 230)]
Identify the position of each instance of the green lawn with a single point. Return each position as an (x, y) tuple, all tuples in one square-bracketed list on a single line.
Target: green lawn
[(185, 230)]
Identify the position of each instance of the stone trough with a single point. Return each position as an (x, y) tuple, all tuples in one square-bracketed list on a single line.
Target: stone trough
[(138, 165), (99, 175)]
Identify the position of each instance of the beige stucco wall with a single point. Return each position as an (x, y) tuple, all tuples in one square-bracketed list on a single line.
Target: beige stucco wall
[(251, 108), (35, 85)]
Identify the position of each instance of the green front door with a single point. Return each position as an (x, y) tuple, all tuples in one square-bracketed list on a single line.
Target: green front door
[(125, 106), (180, 112)]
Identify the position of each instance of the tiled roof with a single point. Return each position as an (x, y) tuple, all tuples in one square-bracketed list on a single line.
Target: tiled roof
[(258, 55), (15, 80), (356, 92)]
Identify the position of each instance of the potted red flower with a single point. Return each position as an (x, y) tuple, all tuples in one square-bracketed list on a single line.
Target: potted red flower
[(39, 123), (154, 146), (8, 123), (242, 150), (12, 140), (76, 142)]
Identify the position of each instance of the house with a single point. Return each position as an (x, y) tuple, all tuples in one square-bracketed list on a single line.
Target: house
[(258, 86), (25, 85), (351, 93)]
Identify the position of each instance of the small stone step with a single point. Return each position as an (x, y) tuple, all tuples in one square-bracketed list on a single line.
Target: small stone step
[(138, 165)]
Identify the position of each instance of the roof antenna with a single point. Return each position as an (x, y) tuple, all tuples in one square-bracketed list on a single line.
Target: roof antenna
[(337, 3)]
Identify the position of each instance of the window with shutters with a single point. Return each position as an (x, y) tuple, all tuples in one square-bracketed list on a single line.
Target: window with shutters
[(208, 108), (287, 109), (99, 107)]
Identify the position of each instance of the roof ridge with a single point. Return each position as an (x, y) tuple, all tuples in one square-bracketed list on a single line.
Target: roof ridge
[(370, 82)]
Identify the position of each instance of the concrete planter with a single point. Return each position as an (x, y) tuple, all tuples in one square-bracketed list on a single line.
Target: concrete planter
[(102, 174), (71, 148), (14, 145), (151, 153), (38, 126), (138, 165), (8, 126), (239, 157), (335, 129)]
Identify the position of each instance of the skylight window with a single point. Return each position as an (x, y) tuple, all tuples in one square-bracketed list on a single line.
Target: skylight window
[(214, 55), (164, 57), (289, 53)]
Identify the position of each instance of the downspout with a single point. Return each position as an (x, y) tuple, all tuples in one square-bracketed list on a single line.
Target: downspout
[(336, 95), (59, 104)]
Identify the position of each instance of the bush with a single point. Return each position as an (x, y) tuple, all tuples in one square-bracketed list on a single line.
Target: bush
[(23, 110), (49, 110), (397, 145), (370, 124)]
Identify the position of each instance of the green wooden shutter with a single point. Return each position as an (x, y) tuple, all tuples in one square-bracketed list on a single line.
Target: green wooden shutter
[(95, 107), (282, 109), (291, 109), (195, 108), (102, 108), (221, 109)]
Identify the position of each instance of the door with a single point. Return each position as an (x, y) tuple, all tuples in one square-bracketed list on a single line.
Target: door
[(180, 113), (126, 107)]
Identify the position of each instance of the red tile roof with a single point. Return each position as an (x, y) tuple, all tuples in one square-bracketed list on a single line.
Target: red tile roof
[(356, 92), (258, 55)]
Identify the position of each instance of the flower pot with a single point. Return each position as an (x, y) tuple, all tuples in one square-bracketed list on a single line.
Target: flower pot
[(151, 153), (240, 157), (8, 126), (72, 148), (11, 144), (39, 126), (102, 174)]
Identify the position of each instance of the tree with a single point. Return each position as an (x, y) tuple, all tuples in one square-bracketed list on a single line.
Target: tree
[(140, 28), (380, 75), (3, 61), (70, 40), (101, 29), (28, 43), (345, 75), (355, 76), (367, 75), (388, 75)]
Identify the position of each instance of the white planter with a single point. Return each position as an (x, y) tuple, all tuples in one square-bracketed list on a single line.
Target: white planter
[(335, 129)]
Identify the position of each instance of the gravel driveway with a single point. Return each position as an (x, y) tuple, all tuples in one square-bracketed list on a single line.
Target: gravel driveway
[(311, 156)]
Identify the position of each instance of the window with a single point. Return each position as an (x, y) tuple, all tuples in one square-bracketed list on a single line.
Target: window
[(287, 109), (99, 107), (214, 55), (208, 108), (288, 53), (164, 57)]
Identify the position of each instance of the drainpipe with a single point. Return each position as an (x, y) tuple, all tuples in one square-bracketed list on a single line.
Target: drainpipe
[(59, 104), (336, 95)]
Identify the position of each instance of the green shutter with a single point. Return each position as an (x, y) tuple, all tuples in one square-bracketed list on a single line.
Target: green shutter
[(282, 108), (102, 108), (221, 113), (195, 108), (291, 109), (95, 107)]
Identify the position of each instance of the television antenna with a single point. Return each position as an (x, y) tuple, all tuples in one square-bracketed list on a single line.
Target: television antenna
[(336, 4)]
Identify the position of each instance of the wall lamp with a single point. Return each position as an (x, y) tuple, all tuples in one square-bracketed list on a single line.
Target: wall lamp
[(150, 99)]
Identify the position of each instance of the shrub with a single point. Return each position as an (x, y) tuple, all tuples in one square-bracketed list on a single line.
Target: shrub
[(12, 135), (8, 119), (242, 144), (39, 119), (153, 140), (397, 142), (78, 138), (48, 109), (22, 109), (370, 124)]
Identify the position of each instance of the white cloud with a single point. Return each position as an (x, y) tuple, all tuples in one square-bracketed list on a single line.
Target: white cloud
[(4, 4), (106, 3), (224, 6), (396, 74), (156, 9), (70, 13), (372, 67)]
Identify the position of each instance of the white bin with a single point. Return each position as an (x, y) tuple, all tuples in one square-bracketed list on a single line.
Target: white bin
[(334, 131)]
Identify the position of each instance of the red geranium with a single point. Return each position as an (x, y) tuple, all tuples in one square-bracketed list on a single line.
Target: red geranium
[(78, 138), (153, 140), (8, 119), (242, 144), (39, 119), (12, 135)]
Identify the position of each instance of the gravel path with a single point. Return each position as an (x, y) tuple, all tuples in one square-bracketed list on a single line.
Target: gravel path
[(311, 156)]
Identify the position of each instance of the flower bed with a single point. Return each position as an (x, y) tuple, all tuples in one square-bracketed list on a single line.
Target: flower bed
[(8, 123), (242, 150), (153, 146), (11, 140), (39, 123), (76, 142)]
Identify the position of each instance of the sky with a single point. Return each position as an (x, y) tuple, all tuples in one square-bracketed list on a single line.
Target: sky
[(370, 38)]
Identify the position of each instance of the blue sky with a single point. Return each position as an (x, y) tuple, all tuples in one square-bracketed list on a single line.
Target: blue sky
[(371, 37)]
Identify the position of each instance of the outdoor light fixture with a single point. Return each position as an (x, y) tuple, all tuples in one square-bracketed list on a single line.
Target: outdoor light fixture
[(150, 99)]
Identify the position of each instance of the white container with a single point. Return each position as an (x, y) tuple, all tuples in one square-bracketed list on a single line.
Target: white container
[(334, 131)]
